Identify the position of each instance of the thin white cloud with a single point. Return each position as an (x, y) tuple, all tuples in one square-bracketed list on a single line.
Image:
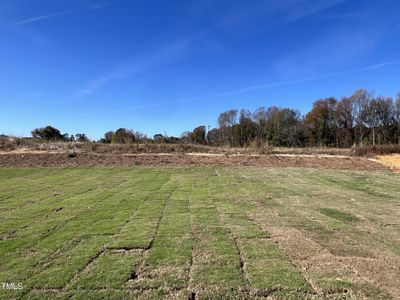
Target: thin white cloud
[(380, 65), (338, 46), (123, 71), (39, 18), (343, 16), (57, 14), (98, 6), (288, 82), (169, 54), (94, 85), (233, 23), (304, 8), (260, 86)]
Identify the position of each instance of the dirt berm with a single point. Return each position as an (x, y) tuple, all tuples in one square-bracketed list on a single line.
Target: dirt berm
[(38, 159)]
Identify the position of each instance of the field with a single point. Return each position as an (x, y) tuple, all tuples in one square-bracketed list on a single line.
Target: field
[(199, 232)]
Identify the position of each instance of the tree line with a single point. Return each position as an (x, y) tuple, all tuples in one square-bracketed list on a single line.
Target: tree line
[(360, 119)]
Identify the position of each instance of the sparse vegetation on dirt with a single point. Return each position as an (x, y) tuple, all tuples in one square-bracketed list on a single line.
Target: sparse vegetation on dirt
[(19, 145), (45, 159), (199, 232)]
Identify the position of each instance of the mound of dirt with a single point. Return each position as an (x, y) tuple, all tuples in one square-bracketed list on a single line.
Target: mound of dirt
[(112, 160)]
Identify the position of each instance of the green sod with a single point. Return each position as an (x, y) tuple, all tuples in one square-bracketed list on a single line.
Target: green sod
[(200, 232)]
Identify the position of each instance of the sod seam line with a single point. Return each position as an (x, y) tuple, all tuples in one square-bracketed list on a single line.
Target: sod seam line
[(288, 258), (144, 253), (49, 173), (78, 239), (78, 215), (133, 217), (103, 250), (234, 239), (84, 268), (43, 183), (192, 292), (65, 199), (268, 234), (193, 243), (46, 261), (308, 280)]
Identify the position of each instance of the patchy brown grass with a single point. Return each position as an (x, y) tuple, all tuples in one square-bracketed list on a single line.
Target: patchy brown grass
[(29, 145)]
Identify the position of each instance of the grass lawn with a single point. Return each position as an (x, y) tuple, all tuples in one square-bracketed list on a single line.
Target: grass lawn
[(199, 233)]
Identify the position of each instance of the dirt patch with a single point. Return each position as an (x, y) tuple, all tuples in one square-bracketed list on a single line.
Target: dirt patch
[(391, 161), (114, 160)]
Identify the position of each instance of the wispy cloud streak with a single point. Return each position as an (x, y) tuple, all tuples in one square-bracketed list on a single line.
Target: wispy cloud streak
[(169, 54), (302, 9), (261, 86), (57, 14), (43, 17), (343, 16), (233, 24)]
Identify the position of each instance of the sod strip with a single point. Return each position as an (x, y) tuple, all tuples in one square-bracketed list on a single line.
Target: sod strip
[(300, 247), (46, 268), (9, 175), (23, 252), (22, 173), (238, 233), (166, 264), (216, 266), (39, 182), (139, 232), (62, 269), (40, 225), (79, 224), (109, 270), (22, 193), (266, 267)]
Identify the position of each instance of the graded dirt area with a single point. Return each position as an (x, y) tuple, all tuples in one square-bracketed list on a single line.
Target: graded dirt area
[(51, 159), (392, 161)]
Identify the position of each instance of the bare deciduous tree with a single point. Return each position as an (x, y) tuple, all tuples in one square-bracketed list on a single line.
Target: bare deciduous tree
[(226, 120)]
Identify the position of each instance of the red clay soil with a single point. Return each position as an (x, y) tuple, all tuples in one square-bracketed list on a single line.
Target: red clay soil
[(114, 160)]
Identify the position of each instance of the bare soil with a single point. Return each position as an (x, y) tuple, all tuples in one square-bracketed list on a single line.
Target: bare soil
[(51, 159), (392, 161)]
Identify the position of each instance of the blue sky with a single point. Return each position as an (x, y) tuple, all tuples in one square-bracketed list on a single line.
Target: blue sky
[(168, 66)]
